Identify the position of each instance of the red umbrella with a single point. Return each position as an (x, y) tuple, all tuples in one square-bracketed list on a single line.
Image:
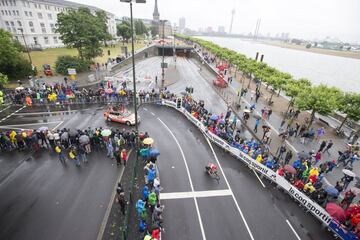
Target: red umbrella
[(290, 169), (336, 211)]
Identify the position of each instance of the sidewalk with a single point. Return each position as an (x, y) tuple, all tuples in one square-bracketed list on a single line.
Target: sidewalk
[(280, 104)]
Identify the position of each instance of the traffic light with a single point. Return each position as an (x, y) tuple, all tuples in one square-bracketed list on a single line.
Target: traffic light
[(178, 102)]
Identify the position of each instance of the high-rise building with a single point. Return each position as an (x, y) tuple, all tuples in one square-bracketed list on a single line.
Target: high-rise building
[(37, 20), (221, 29), (182, 24)]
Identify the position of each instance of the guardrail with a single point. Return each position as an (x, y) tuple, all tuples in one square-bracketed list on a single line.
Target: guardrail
[(315, 209)]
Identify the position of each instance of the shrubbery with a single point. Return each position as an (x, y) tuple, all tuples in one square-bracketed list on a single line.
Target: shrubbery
[(64, 62)]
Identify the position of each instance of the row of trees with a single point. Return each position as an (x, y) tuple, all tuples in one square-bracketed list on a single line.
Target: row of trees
[(317, 99)]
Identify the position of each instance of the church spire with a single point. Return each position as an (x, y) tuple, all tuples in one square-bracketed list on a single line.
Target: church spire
[(156, 14)]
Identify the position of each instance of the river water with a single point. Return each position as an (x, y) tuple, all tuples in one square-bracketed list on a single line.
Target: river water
[(340, 72)]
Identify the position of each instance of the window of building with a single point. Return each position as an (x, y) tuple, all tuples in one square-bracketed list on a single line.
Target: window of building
[(7, 23), (6, 2), (31, 24), (39, 5), (17, 12), (16, 37), (35, 5), (30, 14), (14, 30), (9, 13), (6, 12), (35, 40), (23, 3), (28, 4), (49, 16), (40, 15), (26, 13), (52, 26), (9, 29), (14, 12), (2, 12), (43, 29), (46, 40), (32, 30), (12, 23), (19, 23), (55, 40)]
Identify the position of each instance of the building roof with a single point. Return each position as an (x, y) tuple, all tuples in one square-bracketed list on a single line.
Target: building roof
[(70, 4)]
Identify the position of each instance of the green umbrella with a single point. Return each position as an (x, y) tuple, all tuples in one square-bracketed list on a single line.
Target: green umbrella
[(106, 132)]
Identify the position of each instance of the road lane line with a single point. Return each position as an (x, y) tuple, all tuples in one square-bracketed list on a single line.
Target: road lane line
[(145, 109), (259, 179), (232, 193), (152, 113), (196, 194), (30, 124), (297, 236), (108, 209), (58, 125), (5, 109), (12, 113), (188, 173)]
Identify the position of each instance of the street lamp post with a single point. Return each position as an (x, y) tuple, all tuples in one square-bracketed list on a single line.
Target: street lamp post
[(26, 46), (163, 54), (174, 51)]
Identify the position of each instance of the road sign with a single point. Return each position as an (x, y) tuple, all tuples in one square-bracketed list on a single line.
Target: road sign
[(71, 71)]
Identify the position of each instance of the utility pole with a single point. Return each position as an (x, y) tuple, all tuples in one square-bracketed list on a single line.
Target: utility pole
[(26, 46), (174, 51)]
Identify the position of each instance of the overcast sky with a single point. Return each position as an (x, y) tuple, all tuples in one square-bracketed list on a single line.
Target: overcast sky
[(309, 19)]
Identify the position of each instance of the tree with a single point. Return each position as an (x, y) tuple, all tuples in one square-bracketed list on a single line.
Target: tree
[(124, 30), (12, 62), (3, 79), (64, 62), (319, 99), (140, 27), (82, 30), (102, 20), (294, 87), (350, 105)]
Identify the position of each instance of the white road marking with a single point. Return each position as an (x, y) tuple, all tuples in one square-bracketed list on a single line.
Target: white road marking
[(57, 125), (259, 178), (145, 109), (12, 113), (49, 112), (152, 113), (188, 173), (297, 236), (196, 194), (5, 109), (30, 124), (228, 185)]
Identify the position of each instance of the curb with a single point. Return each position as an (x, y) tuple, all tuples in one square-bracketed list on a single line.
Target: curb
[(110, 205)]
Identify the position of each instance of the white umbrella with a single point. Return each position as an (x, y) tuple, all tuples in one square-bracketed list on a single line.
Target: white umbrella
[(19, 88), (84, 139), (106, 132), (348, 172), (43, 129)]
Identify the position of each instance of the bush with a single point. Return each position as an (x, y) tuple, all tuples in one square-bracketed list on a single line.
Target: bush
[(64, 62)]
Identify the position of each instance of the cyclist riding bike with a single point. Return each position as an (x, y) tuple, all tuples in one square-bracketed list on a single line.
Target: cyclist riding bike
[(211, 169)]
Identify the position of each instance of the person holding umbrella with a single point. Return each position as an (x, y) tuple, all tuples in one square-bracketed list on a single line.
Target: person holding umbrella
[(348, 177)]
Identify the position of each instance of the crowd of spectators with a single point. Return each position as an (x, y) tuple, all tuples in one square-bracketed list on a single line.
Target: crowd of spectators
[(305, 172)]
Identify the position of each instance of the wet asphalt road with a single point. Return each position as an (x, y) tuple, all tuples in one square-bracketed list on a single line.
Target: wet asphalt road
[(45, 200)]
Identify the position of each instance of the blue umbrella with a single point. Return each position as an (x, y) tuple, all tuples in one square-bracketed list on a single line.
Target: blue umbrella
[(332, 191), (214, 117), (222, 121), (154, 152)]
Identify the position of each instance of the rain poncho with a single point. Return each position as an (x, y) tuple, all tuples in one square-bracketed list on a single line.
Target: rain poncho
[(152, 199)]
